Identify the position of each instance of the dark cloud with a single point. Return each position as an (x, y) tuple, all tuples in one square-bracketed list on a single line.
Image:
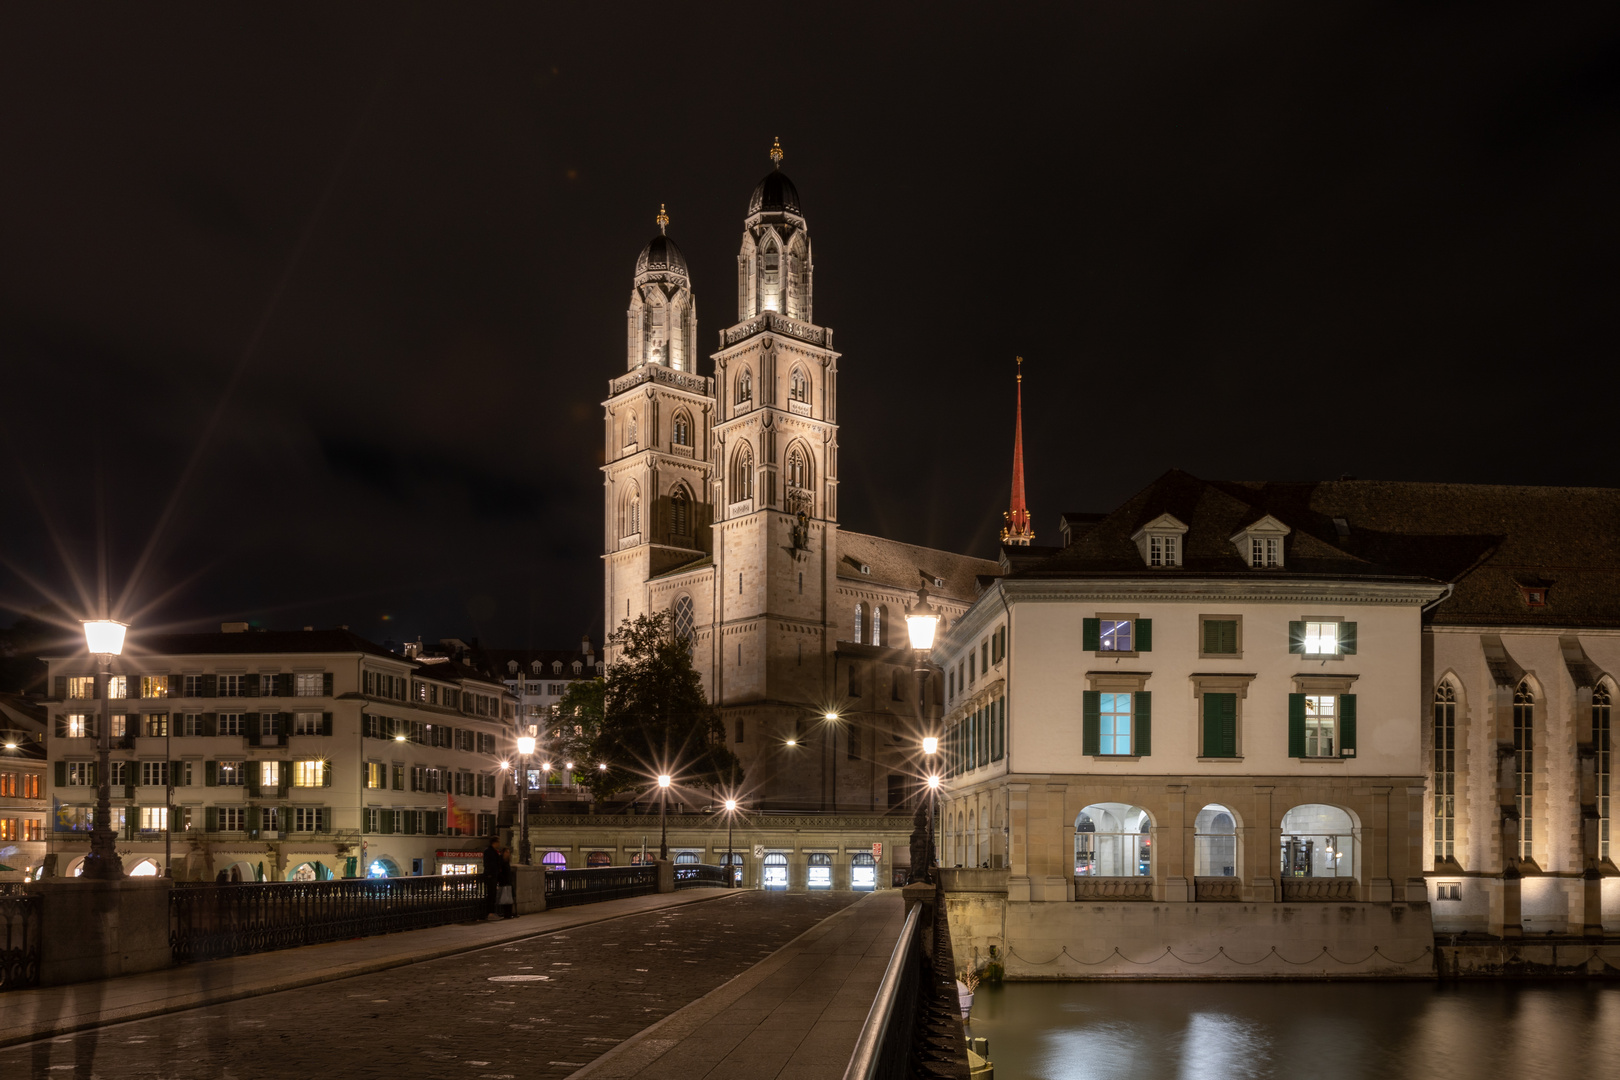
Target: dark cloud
[(1251, 241)]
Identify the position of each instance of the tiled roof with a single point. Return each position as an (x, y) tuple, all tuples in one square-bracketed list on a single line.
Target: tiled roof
[(253, 641), (494, 661), (1485, 539), (904, 565)]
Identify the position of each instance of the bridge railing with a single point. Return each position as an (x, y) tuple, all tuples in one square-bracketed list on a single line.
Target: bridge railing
[(883, 1050), (587, 885), (19, 941), (700, 876)]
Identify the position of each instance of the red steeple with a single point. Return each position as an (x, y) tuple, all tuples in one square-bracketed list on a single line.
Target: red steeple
[(1017, 530)]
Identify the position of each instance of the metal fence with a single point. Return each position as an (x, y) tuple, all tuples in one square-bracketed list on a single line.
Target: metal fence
[(701, 876), (587, 885), (211, 921), (19, 941)]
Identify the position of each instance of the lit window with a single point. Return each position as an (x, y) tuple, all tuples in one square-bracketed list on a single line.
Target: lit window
[(1445, 772), (1321, 639), (155, 725), (154, 818), (269, 774), (229, 774), (82, 687), (1320, 724), (77, 726), (118, 686), (308, 723), (309, 773), (309, 685), (1115, 635), (81, 774), (154, 686), (1115, 724)]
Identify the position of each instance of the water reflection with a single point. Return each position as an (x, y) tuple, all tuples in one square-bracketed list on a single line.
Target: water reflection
[(1325, 1031)]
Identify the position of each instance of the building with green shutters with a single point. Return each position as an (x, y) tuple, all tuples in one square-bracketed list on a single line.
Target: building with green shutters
[(283, 754)]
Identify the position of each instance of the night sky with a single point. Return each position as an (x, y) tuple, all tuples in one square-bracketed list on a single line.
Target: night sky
[(309, 310)]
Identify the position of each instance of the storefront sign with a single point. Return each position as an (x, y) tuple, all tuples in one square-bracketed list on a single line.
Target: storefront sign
[(877, 850), (459, 854), (759, 851)]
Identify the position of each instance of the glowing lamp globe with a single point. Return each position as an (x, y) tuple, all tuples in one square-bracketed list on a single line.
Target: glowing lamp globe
[(105, 637), (663, 780), (731, 804), (831, 716), (545, 766), (525, 745), (602, 767), (930, 745), (922, 619), (933, 781)]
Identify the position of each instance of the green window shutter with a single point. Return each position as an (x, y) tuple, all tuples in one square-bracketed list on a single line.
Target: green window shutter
[(1296, 637), (210, 685), (252, 721), (253, 773), (253, 819), (61, 688), (210, 723), (385, 818), (1347, 725), (61, 774), (210, 773), (1144, 635), (250, 686), (211, 818), (283, 779), (1220, 725), (1212, 643), (1220, 636), (95, 688), (326, 684), (1091, 721), (326, 721), (177, 773), (326, 774), (1091, 635), (1142, 720), (1347, 638), (61, 726), (1296, 725)]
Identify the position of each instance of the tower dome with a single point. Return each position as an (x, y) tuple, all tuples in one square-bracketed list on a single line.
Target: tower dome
[(663, 313), (661, 254), (774, 194)]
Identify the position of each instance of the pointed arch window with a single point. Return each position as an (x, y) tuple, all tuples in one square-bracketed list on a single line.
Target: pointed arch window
[(633, 515), (630, 430), (799, 387), (681, 430), (745, 387), (797, 474), (680, 512), (1445, 772), (1602, 713), (742, 474), (877, 625), (1524, 733), (860, 621), (771, 260), (685, 621)]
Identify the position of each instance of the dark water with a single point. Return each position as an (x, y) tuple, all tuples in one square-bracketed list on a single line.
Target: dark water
[(1314, 1031)]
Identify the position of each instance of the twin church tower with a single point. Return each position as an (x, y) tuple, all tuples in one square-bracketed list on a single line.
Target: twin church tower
[(721, 499)]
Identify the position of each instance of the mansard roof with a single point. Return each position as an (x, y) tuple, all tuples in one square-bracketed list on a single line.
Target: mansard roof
[(1488, 541)]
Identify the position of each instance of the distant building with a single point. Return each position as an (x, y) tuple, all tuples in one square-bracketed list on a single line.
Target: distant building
[(301, 754), (22, 787), (538, 679)]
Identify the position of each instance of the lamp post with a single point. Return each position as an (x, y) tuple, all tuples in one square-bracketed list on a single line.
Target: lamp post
[(525, 746), (832, 718), (663, 829), (105, 639), (922, 621), (731, 815)]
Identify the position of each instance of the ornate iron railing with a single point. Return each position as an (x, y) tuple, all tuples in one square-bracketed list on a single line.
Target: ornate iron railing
[(211, 921), (19, 941), (1317, 889), (701, 876), (587, 885)]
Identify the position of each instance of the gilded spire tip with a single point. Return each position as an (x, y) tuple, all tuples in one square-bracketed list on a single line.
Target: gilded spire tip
[(1020, 360), (776, 153), (663, 219)]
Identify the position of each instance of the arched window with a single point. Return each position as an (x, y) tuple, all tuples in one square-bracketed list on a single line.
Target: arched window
[(1524, 763), (599, 858), (972, 839), (1445, 772), (795, 469), (680, 512), (686, 858), (860, 621), (1113, 840), (554, 859), (684, 621), (862, 872), (771, 261), (1318, 841), (681, 430), (1602, 707), (877, 625), (745, 387), (630, 430), (820, 875), (799, 386), (776, 872), (1214, 842), (632, 512), (742, 474)]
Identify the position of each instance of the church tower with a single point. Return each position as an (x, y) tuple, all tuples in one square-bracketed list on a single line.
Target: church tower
[(659, 420), (775, 480)]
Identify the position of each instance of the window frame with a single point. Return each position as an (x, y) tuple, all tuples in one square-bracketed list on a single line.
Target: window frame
[(1237, 637), (1221, 683)]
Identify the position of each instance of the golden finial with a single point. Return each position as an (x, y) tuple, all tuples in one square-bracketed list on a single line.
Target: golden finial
[(663, 218), (1020, 360), (776, 153)]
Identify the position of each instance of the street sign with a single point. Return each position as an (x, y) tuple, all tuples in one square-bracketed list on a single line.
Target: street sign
[(759, 851), (877, 851)]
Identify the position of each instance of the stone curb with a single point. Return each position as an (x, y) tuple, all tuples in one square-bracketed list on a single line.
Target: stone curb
[(274, 985)]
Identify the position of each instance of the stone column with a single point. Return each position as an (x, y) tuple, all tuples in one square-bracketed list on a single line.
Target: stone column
[(1262, 839), (1017, 842), (1417, 889), (1173, 841), (1055, 828), (1376, 839)]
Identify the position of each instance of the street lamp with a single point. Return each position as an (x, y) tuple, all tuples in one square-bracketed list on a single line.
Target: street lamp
[(832, 718), (922, 622), (525, 745), (663, 828), (731, 814), (105, 639)]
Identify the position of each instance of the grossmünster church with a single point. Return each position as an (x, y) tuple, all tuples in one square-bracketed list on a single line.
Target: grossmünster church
[(720, 491)]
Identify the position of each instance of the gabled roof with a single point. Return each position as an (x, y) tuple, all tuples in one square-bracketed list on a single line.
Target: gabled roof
[(904, 566), (1485, 539)]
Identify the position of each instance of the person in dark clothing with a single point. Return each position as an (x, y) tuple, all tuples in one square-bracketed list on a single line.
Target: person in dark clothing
[(495, 872)]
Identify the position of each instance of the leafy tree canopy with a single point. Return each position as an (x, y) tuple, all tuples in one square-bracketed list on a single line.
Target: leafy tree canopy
[(647, 715)]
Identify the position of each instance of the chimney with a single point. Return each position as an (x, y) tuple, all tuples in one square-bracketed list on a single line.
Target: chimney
[(590, 653)]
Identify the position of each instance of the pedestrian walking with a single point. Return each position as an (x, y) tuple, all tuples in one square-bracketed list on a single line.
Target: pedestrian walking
[(495, 871)]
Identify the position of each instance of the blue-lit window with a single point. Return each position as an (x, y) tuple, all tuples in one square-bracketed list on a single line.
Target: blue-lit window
[(1115, 636), (1115, 717)]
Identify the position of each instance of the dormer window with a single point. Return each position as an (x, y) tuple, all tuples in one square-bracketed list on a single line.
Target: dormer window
[(535, 667), (1160, 541), (1261, 544), (556, 667), (1535, 591), (578, 667), (511, 667)]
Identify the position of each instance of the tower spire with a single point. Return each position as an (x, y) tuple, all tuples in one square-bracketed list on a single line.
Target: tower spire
[(776, 153), (1017, 530), (663, 219)]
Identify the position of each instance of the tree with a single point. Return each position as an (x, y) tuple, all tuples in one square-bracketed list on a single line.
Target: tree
[(647, 715)]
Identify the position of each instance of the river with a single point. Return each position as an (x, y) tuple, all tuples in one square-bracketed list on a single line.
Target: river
[(1302, 1031)]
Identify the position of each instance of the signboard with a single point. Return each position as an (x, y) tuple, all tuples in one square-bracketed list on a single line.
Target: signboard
[(759, 851), (446, 854), (877, 851)]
